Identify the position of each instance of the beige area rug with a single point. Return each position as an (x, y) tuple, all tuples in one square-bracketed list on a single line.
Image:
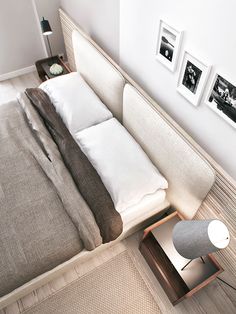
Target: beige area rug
[(114, 287)]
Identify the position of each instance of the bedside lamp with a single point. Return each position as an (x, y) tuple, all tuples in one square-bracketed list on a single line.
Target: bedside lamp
[(55, 68), (46, 30), (197, 238)]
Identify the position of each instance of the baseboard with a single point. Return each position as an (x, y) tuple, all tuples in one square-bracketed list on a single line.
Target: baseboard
[(19, 72)]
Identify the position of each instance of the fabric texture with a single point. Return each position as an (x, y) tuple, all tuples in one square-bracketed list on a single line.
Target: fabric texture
[(76, 103), (114, 287), (191, 238), (125, 169), (40, 208), (83, 173), (149, 206), (189, 174), (106, 81)]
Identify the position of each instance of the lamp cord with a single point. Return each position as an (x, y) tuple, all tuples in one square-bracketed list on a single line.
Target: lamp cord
[(226, 283)]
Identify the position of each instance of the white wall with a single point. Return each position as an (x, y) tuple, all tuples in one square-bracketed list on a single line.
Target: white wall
[(100, 19), (49, 10), (20, 44), (127, 30), (210, 35)]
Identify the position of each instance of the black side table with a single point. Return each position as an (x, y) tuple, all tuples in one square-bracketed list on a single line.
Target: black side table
[(43, 67)]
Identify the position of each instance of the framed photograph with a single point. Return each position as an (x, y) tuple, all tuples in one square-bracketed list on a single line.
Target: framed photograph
[(168, 45), (192, 78), (222, 98)]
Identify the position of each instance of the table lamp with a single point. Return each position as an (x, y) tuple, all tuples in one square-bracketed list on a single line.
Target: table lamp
[(197, 238), (55, 68)]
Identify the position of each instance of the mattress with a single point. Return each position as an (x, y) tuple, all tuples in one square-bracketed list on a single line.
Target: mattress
[(147, 207)]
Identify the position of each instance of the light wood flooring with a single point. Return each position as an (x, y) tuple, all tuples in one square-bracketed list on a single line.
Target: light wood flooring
[(216, 298), (213, 299), (10, 88)]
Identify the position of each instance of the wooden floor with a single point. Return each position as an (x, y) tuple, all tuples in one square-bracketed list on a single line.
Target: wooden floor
[(215, 298), (10, 88)]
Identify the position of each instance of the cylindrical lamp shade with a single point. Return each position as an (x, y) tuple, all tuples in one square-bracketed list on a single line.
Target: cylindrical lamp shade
[(46, 28), (195, 238)]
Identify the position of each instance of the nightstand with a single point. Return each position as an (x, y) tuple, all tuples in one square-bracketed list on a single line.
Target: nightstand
[(158, 249), (43, 67)]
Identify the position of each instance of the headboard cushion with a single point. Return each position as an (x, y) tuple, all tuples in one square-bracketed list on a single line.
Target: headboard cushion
[(190, 177), (99, 73)]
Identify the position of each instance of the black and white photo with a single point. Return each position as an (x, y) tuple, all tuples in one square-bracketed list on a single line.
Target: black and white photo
[(192, 78), (222, 99), (168, 45)]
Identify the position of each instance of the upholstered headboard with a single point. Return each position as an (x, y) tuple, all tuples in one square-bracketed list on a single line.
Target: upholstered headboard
[(101, 75), (189, 175)]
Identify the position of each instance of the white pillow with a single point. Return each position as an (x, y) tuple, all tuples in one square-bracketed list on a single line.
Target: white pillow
[(125, 169), (76, 103)]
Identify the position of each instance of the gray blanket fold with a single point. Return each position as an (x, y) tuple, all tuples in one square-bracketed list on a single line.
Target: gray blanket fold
[(44, 220), (85, 176)]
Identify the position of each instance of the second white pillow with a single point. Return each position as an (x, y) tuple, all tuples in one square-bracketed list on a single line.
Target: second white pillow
[(125, 169)]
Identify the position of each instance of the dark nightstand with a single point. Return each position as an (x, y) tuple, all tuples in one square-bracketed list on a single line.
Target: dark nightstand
[(43, 67), (166, 263)]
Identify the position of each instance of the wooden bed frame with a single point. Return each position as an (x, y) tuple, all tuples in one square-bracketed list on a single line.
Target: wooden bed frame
[(220, 202)]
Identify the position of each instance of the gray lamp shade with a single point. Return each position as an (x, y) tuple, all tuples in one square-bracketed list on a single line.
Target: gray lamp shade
[(197, 238)]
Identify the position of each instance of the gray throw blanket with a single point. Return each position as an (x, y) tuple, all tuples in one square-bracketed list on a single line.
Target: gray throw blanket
[(44, 220), (84, 174)]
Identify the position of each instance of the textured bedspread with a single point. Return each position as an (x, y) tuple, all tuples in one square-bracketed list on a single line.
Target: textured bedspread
[(84, 174), (44, 221)]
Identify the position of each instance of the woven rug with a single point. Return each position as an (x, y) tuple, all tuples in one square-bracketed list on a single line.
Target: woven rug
[(114, 287)]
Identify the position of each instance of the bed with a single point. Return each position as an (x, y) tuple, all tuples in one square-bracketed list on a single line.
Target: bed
[(189, 176)]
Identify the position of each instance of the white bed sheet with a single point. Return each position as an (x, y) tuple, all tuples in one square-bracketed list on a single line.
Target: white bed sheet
[(147, 207)]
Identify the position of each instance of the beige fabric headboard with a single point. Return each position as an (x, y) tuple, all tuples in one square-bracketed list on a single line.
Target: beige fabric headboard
[(189, 181), (100, 74), (190, 177)]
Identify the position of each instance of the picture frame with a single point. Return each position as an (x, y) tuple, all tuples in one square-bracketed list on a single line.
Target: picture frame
[(168, 45), (192, 78), (221, 98)]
